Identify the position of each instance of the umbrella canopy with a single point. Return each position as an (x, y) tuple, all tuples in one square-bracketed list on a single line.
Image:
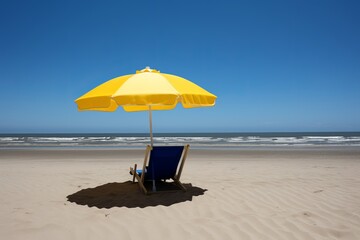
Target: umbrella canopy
[(146, 90)]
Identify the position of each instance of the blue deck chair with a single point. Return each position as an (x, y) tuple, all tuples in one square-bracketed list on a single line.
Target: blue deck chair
[(163, 164)]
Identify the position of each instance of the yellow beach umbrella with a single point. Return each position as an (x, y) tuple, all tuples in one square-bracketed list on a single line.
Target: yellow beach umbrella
[(147, 90)]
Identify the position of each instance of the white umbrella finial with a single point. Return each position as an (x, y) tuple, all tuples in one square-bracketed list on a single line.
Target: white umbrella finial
[(147, 69)]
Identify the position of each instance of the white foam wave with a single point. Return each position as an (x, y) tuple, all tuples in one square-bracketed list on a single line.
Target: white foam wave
[(201, 140)]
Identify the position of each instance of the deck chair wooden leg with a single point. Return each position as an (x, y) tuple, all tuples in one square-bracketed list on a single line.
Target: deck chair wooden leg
[(143, 188), (178, 175), (180, 184), (141, 178), (134, 172), (141, 184)]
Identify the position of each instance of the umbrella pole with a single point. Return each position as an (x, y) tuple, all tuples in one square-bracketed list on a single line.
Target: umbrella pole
[(151, 132), (152, 141)]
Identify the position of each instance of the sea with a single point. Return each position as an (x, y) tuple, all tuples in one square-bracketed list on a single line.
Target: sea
[(197, 140)]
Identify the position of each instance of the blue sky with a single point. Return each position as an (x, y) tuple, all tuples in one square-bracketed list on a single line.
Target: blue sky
[(274, 65)]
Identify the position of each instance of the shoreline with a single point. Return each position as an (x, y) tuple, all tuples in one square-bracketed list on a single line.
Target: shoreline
[(192, 146), (194, 153)]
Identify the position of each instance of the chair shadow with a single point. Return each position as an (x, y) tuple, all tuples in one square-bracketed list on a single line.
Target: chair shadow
[(128, 194)]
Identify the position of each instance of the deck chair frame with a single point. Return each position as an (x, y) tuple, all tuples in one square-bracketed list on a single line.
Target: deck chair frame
[(176, 178)]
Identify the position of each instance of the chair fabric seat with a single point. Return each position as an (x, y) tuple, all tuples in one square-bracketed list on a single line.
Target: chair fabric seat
[(163, 163)]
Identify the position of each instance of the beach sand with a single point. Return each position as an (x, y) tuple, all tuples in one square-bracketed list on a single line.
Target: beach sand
[(250, 193)]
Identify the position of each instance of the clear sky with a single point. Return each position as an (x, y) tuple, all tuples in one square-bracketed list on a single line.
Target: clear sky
[(274, 65)]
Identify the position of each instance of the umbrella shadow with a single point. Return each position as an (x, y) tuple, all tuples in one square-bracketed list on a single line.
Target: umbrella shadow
[(128, 194)]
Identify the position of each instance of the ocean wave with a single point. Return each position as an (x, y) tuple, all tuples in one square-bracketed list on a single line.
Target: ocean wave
[(232, 140)]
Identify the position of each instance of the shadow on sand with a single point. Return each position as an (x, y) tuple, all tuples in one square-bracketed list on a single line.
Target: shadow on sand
[(128, 194)]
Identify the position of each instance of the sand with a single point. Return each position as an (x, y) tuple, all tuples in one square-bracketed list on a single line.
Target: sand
[(250, 193)]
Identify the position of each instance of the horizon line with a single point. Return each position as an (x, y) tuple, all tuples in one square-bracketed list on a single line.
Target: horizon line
[(157, 133)]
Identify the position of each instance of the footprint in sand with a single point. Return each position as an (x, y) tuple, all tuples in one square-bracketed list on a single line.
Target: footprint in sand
[(307, 214)]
